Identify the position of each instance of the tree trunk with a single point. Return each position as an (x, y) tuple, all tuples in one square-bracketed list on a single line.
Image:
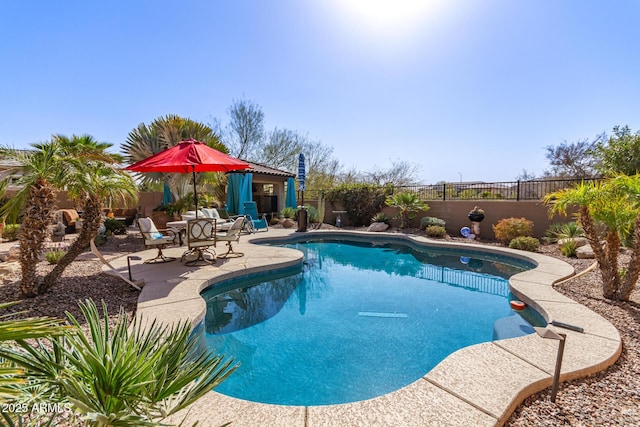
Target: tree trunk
[(607, 271), (633, 267), (39, 211), (92, 215)]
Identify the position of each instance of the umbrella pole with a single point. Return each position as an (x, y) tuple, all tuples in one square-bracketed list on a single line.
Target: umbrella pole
[(195, 195)]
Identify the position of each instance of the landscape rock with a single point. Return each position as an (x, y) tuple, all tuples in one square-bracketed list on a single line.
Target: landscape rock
[(378, 226), (287, 223), (585, 252)]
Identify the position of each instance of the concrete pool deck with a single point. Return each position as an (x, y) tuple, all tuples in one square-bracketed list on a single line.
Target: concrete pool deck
[(479, 385)]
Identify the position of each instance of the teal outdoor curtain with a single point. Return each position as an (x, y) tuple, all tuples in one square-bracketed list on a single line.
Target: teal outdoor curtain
[(290, 200), (238, 191)]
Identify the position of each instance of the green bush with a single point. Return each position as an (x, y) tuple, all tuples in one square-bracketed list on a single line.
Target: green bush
[(114, 226), (381, 217), (10, 232), (436, 231), (54, 255), (288, 212), (508, 229), (525, 243), (428, 221), (361, 201)]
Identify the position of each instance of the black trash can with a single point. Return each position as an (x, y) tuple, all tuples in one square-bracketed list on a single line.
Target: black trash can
[(302, 219)]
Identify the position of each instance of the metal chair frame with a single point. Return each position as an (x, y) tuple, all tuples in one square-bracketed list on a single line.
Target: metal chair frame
[(201, 236)]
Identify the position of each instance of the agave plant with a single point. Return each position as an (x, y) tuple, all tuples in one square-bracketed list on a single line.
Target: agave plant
[(131, 374)]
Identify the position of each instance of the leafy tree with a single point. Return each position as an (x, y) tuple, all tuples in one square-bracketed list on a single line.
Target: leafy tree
[(619, 154), (573, 160), (361, 201), (42, 171), (401, 173), (245, 131), (609, 211), (128, 374), (408, 204)]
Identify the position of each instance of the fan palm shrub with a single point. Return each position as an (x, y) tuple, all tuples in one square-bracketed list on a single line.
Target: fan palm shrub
[(408, 204), (129, 374), (165, 132)]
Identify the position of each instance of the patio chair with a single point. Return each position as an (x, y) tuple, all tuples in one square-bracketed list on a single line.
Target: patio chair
[(256, 223), (232, 235), (154, 239), (201, 236)]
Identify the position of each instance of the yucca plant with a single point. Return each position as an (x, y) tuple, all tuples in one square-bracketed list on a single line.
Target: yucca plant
[(131, 374)]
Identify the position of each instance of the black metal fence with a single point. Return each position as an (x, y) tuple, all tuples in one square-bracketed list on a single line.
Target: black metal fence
[(507, 190)]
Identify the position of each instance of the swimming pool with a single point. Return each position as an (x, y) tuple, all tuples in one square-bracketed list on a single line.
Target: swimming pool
[(356, 320)]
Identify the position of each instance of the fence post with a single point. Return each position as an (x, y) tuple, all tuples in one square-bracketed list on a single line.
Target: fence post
[(444, 191), (518, 191)]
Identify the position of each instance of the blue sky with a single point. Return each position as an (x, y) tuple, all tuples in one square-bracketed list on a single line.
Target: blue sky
[(472, 89)]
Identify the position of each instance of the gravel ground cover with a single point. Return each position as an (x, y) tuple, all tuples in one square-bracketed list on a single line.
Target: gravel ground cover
[(608, 398)]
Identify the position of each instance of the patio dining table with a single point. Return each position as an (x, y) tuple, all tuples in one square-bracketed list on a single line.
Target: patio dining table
[(180, 228)]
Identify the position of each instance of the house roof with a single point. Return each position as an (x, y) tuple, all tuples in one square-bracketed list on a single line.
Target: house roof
[(259, 168)]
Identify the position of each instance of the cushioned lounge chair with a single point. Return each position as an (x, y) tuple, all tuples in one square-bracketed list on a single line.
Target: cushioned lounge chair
[(155, 239)]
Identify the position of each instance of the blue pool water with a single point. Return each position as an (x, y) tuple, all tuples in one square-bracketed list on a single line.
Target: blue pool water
[(356, 320)]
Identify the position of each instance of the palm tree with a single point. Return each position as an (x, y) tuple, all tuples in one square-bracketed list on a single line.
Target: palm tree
[(42, 170), (165, 132), (408, 205), (91, 185), (609, 211)]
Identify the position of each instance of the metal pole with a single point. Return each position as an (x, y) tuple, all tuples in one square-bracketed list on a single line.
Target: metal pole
[(556, 374)]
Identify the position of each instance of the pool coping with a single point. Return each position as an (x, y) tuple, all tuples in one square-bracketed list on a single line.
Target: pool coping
[(477, 385)]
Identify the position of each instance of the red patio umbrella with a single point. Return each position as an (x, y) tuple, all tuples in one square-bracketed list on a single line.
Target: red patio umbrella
[(189, 156)]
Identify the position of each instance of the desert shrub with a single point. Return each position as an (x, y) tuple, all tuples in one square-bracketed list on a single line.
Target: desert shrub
[(525, 243), (428, 221), (361, 201), (114, 226), (508, 229), (312, 214), (381, 217), (54, 255), (274, 221), (435, 231), (468, 194), (288, 212), (568, 248), (10, 232)]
